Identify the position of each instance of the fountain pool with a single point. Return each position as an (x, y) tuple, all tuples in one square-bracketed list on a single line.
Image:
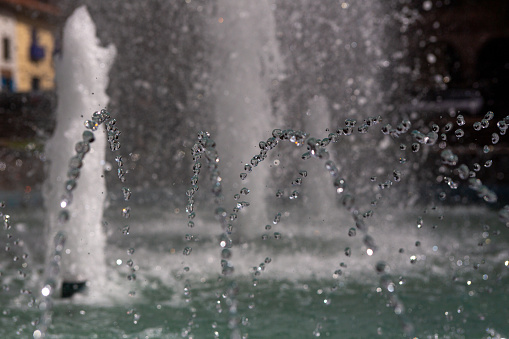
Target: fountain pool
[(299, 293)]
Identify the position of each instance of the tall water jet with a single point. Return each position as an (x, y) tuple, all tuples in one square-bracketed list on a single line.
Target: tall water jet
[(246, 59), (317, 121), (82, 79)]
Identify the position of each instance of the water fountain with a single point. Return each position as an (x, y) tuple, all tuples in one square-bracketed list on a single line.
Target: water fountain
[(83, 77), (334, 252)]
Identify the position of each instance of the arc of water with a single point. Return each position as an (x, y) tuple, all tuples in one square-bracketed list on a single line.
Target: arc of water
[(316, 149), (206, 147), (53, 268)]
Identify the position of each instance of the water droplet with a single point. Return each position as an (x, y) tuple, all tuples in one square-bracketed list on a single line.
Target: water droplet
[(121, 174), (340, 185), (297, 182), (277, 235), (306, 156), (348, 251), (368, 214), (126, 192), (485, 123), (277, 133), (459, 133), (244, 191), (503, 215), (88, 136), (502, 125), (420, 137), (352, 232), (396, 175), (460, 120), (125, 230), (495, 138), (187, 250), (380, 266), (63, 216), (431, 58), (448, 126), (362, 129), (92, 125), (73, 173), (452, 184), (279, 193), (255, 160), (331, 167), (370, 243), (385, 184), (243, 176), (350, 122), (477, 126), (488, 163), (225, 241), (448, 157), (226, 253), (66, 200), (97, 117), (277, 218), (386, 129), (463, 171), (220, 213), (294, 195), (431, 138), (126, 212)]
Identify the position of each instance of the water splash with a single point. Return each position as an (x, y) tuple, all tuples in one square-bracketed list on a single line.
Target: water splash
[(82, 79)]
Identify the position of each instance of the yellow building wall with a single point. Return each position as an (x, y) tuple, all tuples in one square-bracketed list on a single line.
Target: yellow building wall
[(26, 68)]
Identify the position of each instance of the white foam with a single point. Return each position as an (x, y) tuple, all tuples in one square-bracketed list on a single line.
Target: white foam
[(82, 79)]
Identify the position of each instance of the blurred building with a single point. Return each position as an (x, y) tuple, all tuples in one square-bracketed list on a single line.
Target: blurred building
[(28, 33), (464, 45)]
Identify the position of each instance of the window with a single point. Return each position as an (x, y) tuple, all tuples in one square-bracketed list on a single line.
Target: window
[(36, 50), (7, 84), (36, 84), (6, 48)]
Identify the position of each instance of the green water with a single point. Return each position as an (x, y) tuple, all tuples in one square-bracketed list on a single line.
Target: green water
[(455, 289), (282, 309)]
